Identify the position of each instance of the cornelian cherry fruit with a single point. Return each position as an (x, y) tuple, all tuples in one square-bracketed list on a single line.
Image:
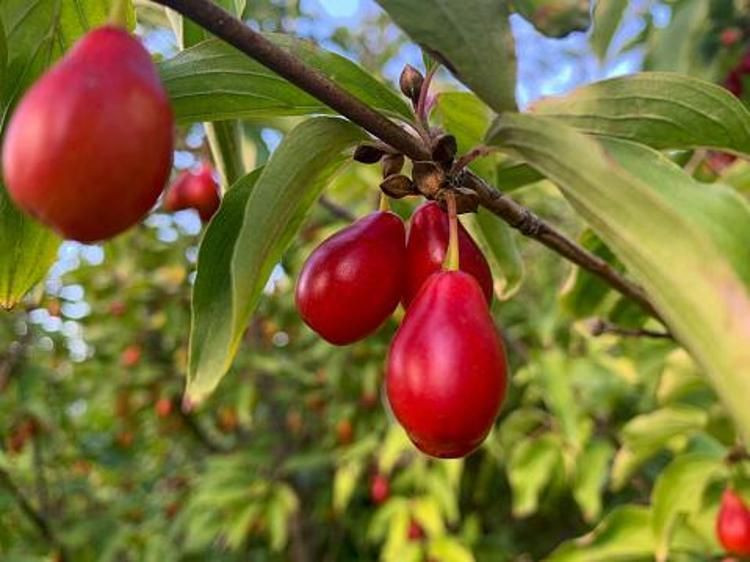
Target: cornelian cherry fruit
[(733, 524), (194, 190), (426, 245), (446, 369), (89, 147), (380, 488), (352, 282)]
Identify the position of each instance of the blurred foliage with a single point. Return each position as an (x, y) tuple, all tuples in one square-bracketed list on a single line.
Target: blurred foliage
[(618, 439)]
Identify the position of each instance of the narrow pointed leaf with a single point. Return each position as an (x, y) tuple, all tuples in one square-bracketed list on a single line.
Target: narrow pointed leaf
[(248, 237), (679, 491), (212, 81), (646, 210), (471, 38), (660, 109)]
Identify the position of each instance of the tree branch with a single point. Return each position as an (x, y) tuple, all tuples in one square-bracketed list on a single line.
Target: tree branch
[(232, 30), (39, 521), (599, 327)]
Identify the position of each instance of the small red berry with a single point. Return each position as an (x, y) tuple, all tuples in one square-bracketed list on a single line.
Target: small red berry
[(194, 190), (446, 368), (131, 356), (89, 147), (380, 488), (730, 36), (163, 407), (344, 432), (416, 532), (426, 246), (352, 282), (733, 83), (733, 524)]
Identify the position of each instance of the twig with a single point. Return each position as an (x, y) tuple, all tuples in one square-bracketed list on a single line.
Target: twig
[(232, 30), (39, 521), (336, 210), (599, 327)]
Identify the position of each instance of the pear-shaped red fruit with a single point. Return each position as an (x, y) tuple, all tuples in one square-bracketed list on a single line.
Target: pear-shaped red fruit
[(89, 147), (446, 370), (425, 251), (733, 524), (194, 190), (352, 282)]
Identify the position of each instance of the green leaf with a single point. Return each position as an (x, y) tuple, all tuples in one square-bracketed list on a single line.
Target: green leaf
[(78, 16), (499, 244), (625, 534), (584, 292), (466, 117), (448, 549), (591, 475), (213, 81), (247, 238), (677, 47), (471, 38), (344, 483), (510, 176), (653, 430), (649, 217), (27, 249), (530, 467), (607, 18), (660, 109), (679, 491), (556, 18)]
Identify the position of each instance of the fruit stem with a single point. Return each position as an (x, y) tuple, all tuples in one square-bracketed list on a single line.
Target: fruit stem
[(118, 13), (451, 255), (384, 204)]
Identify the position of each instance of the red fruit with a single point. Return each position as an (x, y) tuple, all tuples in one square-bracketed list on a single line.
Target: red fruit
[(163, 407), (89, 148), (730, 36), (733, 83), (117, 308), (131, 355), (425, 251), (446, 368), (380, 489), (344, 432), (416, 532), (733, 524), (352, 282), (197, 190)]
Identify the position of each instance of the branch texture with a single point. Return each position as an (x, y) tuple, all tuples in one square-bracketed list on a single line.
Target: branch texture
[(232, 30)]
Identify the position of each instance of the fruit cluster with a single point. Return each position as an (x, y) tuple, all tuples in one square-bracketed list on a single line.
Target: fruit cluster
[(733, 524), (89, 148), (446, 368)]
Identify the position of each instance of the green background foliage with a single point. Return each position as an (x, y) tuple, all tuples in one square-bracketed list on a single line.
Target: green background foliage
[(608, 447)]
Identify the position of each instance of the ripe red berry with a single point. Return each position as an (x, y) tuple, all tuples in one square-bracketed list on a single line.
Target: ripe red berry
[(380, 488), (733, 524), (194, 190), (730, 36), (130, 356), (344, 432), (425, 251), (89, 148), (163, 407), (352, 282), (416, 532), (733, 83), (446, 368)]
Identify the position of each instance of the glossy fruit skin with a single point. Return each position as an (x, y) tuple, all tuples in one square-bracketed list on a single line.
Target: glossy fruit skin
[(380, 489), (194, 190), (733, 524), (352, 282), (446, 368), (89, 147), (426, 245)]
